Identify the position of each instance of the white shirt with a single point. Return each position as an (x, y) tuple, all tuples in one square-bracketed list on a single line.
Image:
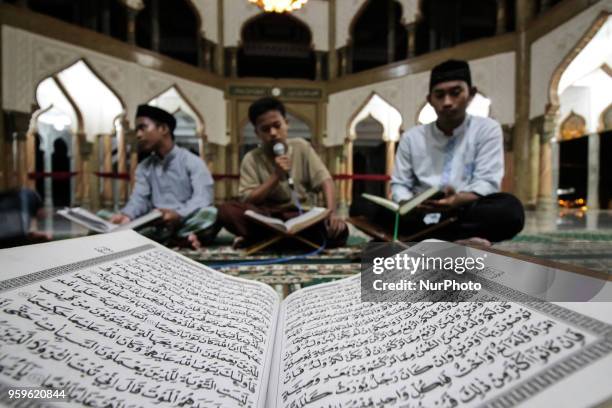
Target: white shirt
[(470, 160)]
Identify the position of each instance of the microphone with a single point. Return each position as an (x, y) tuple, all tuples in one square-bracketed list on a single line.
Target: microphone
[(279, 150)]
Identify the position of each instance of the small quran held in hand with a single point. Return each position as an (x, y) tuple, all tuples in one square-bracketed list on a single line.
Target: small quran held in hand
[(94, 223), (405, 208), (294, 225), (118, 320)]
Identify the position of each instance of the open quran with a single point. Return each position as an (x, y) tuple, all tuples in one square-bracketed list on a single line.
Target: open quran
[(293, 225), (118, 320), (406, 207), (94, 223)]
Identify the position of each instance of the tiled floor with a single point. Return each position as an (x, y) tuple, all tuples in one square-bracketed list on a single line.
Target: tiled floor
[(570, 237)]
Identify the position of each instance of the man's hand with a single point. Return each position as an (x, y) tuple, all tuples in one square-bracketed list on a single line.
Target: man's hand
[(119, 219), (451, 200), (169, 216), (283, 164), (334, 225)]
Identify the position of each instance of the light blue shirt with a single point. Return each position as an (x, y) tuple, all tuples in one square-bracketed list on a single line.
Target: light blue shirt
[(470, 160), (180, 181)]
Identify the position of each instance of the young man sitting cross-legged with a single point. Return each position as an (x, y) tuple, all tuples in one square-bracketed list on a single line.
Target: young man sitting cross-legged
[(264, 186)]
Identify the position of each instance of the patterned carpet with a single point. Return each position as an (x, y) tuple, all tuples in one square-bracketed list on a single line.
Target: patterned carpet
[(583, 248)]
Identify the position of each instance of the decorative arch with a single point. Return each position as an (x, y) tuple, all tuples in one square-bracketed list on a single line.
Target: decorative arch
[(183, 103), (285, 41), (71, 79), (173, 100), (553, 89), (391, 120), (361, 56), (95, 106), (51, 95), (553, 128), (573, 126), (605, 119), (54, 71), (381, 110)]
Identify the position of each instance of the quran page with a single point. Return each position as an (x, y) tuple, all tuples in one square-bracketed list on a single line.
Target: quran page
[(117, 320), (332, 350)]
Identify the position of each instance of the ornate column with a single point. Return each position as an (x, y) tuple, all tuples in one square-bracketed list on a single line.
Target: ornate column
[(318, 65), (233, 61), (411, 29), (91, 166), (121, 160), (30, 158), (547, 191), (133, 8), (220, 50), (20, 141), (83, 167), (206, 55), (155, 34), (130, 137), (500, 26), (48, 199), (593, 172), (390, 32), (521, 141), (107, 167), (343, 61), (349, 171), (343, 169), (390, 157), (332, 61), (200, 41), (534, 167)]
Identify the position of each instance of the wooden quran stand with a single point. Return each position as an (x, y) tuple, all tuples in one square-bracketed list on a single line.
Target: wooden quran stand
[(287, 229), (364, 225), (279, 235)]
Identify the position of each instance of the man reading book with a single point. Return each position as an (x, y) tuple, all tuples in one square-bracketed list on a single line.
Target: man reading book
[(463, 156), (172, 180), (275, 181)]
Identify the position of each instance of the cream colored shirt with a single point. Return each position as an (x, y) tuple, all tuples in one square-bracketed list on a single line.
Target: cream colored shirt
[(307, 171)]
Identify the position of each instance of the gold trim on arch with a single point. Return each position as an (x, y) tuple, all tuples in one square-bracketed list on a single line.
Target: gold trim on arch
[(601, 126), (575, 133), (553, 88)]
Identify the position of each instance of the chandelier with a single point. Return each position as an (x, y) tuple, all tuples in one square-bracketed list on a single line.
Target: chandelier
[(279, 6)]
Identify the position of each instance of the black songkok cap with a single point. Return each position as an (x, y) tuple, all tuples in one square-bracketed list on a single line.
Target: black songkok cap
[(157, 114), (451, 70)]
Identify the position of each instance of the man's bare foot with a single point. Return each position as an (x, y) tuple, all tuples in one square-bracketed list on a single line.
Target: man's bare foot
[(474, 241), (194, 241), (239, 243)]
